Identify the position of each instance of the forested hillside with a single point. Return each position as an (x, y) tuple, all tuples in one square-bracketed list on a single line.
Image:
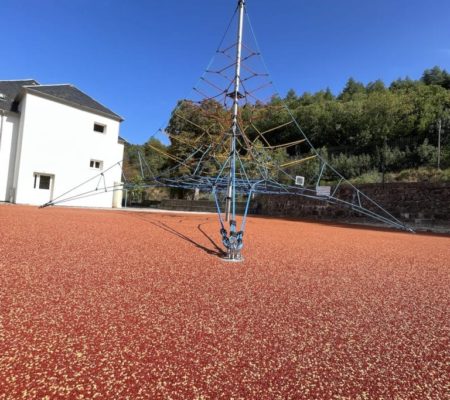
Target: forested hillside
[(367, 132)]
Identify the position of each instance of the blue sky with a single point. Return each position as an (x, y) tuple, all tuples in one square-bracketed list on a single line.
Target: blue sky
[(139, 57)]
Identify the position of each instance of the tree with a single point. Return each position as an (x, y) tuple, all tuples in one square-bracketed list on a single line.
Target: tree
[(352, 88), (405, 84), (436, 76), (192, 128), (366, 126), (154, 155), (291, 97), (377, 86)]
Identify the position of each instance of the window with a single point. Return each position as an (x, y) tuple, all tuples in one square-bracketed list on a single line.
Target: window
[(96, 164), (42, 181), (100, 128)]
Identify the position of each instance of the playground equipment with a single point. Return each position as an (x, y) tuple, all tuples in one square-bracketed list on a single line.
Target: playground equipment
[(231, 155)]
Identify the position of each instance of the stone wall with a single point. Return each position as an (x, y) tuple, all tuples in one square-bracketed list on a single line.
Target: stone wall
[(414, 203), (192, 205)]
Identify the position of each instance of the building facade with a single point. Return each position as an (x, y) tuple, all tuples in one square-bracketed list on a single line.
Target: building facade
[(52, 139)]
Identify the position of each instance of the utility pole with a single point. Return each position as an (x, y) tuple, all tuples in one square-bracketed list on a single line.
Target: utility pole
[(439, 144)]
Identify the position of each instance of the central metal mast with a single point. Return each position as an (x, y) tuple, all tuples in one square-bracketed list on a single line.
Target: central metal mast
[(236, 95), (234, 126)]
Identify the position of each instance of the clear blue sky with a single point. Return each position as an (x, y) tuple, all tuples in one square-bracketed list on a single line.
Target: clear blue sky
[(138, 57)]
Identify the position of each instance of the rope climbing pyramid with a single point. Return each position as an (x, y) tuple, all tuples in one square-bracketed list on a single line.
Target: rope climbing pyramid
[(222, 144)]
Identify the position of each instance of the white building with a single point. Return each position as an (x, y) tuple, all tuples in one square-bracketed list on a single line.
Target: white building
[(52, 138)]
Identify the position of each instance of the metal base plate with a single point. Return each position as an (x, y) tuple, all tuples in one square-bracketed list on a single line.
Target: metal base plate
[(228, 259)]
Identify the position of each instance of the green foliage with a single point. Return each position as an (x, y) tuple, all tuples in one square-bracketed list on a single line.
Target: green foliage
[(427, 153), (152, 161), (377, 86), (272, 159), (308, 169), (445, 156), (190, 127), (422, 174), (351, 165), (352, 90), (436, 76), (154, 154), (364, 131), (372, 176), (396, 159)]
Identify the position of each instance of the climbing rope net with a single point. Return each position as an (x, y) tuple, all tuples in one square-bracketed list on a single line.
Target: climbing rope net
[(234, 138)]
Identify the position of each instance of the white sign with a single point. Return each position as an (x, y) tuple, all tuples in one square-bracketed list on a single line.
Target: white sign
[(300, 180), (323, 191)]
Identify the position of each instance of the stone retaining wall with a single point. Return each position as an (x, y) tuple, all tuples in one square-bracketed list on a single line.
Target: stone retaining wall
[(413, 203), (192, 205)]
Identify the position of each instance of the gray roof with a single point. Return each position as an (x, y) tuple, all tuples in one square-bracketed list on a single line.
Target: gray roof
[(66, 93), (71, 95), (10, 90)]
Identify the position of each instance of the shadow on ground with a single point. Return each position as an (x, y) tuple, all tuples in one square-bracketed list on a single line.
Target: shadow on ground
[(215, 250)]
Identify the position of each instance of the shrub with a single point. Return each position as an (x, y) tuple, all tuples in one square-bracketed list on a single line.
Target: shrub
[(427, 153), (351, 166)]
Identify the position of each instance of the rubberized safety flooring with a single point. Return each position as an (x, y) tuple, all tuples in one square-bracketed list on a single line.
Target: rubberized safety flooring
[(98, 304)]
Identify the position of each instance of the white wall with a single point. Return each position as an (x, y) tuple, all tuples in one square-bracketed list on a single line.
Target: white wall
[(9, 128), (59, 140)]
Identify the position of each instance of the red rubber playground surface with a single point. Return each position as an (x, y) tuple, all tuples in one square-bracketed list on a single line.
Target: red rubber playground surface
[(123, 305)]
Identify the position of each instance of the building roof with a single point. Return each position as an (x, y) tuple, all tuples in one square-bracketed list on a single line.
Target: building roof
[(73, 96), (64, 93), (9, 90)]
